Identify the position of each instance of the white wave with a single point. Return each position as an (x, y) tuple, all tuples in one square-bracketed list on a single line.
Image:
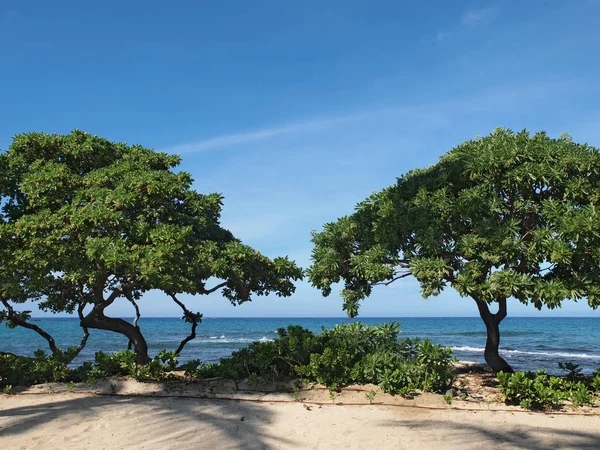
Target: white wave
[(225, 340), (519, 352), (553, 354), (468, 349)]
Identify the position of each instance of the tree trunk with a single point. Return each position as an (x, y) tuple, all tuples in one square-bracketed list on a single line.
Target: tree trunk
[(492, 343), (136, 319), (97, 319)]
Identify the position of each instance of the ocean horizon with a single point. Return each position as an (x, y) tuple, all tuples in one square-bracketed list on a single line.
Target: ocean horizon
[(527, 343)]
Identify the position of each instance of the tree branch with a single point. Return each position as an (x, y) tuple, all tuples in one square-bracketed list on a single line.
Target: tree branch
[(137, 315), (125, 289), (387, 283), (209, 291), (113, 296), (14, 317), (86, 333), (194, 319), (501, 314), (551, 267)]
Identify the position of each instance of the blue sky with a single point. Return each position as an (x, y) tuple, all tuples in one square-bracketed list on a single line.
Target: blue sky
[(296, 111)]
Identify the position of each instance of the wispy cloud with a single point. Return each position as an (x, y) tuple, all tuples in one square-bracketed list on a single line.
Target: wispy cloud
[(475, 17), (471, 18), (441, 36), (260, 135), (436, 113)]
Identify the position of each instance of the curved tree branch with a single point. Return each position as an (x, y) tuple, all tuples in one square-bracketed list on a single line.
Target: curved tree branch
[(209, 291), (97, 319), (397, 277), (501, 314), (136, 318), (86, 333), (189, 317), (13, 316)]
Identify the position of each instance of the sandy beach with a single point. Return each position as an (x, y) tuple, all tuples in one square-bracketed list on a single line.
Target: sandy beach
[(146, 417)]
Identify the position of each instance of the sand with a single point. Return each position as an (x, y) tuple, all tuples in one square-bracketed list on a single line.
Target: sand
[(147, 417)]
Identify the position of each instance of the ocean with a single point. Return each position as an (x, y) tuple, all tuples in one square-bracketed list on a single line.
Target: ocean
[(527, 343)]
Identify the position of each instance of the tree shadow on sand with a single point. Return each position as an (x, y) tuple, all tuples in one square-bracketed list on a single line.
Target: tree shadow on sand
[(464, 434), (157, 422)]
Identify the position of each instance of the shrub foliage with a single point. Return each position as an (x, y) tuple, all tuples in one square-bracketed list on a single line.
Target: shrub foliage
[(346, 354), (343, 355), (538, 390)]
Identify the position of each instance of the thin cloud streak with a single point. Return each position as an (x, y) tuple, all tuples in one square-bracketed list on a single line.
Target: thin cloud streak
[(472, 17), (435, 112), (259, 135)]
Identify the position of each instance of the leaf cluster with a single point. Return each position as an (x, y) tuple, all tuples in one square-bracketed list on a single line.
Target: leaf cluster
[(541, 391), (346, 354), (86, 221), (44, 368), (83, 213), (23, 371), (506, 215)]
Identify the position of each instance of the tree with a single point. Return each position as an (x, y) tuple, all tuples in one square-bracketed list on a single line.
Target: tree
[(507, 215), (95, 222), (16, 286)]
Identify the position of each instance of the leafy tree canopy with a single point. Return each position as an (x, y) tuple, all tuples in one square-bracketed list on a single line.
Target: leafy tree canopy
[(507, 215), (92, 221)]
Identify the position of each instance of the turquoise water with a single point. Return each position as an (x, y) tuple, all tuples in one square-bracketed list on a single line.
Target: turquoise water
[(527, 343)]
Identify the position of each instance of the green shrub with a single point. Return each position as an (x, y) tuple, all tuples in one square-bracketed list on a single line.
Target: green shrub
[(581, 395), (24, 371), (573, 370), (541, 391), (113, 365), (207, 371), (123, 364), (268, 360), (191, 367), (168, 359), (362, 354), (596, 381), (345, 354), (155, 370), (353, 353), (434, 364), (370, 396)]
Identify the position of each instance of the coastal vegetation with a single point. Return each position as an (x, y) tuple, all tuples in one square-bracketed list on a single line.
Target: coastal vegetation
[(541, 391), (344, 355), (348, 354), (509, 215), (86, 222)]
